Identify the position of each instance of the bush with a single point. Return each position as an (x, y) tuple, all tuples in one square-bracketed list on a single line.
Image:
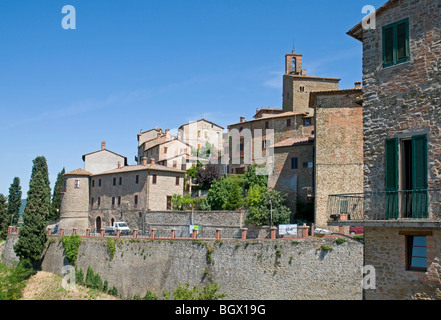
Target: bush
[(209, 292), (12, 281), (93, 280), (259, 212), (71, 245)]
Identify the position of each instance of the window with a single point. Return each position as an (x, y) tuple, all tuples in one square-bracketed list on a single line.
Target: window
[(77, 184), (114, 181), (406, 169), (288, 122), (396, 43), (99, 183), (307, 122), (416, 253), (266, 124), (99, 201), (119, 201), (136, 200), (154, 178), (120, 180), (302, 89), (113, 201), (93, 183), (177, 181), (137, 179), (165, 150), (264, 142), (294, 163), (91, 202), (169, 202)]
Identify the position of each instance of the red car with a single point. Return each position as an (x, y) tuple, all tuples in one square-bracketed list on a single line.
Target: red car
[(356, 230)]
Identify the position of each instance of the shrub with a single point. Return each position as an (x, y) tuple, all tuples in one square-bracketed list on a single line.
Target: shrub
[(71, 245), (209, 292)]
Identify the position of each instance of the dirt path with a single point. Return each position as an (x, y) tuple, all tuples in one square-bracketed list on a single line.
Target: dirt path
[(47, 286)]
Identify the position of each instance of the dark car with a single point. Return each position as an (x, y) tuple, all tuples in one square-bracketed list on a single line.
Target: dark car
[(356, 230)]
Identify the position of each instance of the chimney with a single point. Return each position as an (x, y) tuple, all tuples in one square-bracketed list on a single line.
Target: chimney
[(103, 145), (119, 165), (152, 160), (144, 161), (242, 119), (358, 85)]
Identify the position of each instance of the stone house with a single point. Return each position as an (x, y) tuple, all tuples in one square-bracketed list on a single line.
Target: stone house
[(338, 119), (400, 208), (282, 139), (102, 160), (96, 200), (199, 133)]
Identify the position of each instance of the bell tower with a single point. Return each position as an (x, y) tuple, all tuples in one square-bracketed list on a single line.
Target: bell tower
[(293, 64)]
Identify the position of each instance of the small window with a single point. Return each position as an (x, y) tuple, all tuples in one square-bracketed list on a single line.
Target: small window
[(302, 89), (165, 150), (120, 180), (417, 253), (264, 142), (294, 163), (114, 181), (154, 178), (93, 183), (266, 124), (113, 201), (307, 122), (77, 184), (288, 122), (99, 183), (396, 43), (99, 201), (91, 202), (137, 179), (119, 201), (177, 181), (136, 200)]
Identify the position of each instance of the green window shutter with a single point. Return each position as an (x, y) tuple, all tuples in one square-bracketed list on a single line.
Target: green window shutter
[(420, 200), (391, 169), (419, 162), (388, 46), (391, 176), (396, 47)]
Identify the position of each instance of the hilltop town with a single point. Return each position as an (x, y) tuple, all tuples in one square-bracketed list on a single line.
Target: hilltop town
[(334, 195)]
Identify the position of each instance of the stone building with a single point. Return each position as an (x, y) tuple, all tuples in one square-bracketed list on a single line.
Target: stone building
[(201, 132), (282, 139), (132, 190), (338, 119), (102, 160), (400, 208), (95, 200)]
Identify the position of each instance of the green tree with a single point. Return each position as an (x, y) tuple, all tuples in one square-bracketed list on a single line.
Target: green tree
[(254, 176), (225, 194), (4, 221), (12, 281), (56, 197), (260, 213), (32, 238), (14, 201)]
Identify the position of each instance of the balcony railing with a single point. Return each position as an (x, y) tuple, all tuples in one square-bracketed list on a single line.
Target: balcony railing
[(386, 206)]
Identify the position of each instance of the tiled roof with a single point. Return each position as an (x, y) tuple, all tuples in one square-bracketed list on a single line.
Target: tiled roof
[(293, 141), (78, 172), (155, 167), (280, 115)]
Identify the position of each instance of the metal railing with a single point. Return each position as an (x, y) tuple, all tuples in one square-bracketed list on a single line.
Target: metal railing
[(385, 205)]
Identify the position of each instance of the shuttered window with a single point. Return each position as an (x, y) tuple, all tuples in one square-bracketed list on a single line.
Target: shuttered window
[(396, 43)]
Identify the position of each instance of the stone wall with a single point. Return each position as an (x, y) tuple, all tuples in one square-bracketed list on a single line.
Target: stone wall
[(338, 147), (403, 100), (385, 250), (245, 270)]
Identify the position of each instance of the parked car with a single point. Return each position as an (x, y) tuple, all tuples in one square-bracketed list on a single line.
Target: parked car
[(356, 230), (123, 228)]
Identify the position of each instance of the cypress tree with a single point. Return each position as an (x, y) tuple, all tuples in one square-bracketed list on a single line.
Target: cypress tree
[(56, 197), (14, 201), (32, 237), (3, 218)]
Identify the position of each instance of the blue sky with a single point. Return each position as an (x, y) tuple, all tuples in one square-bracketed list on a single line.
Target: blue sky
[(133, 65)]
